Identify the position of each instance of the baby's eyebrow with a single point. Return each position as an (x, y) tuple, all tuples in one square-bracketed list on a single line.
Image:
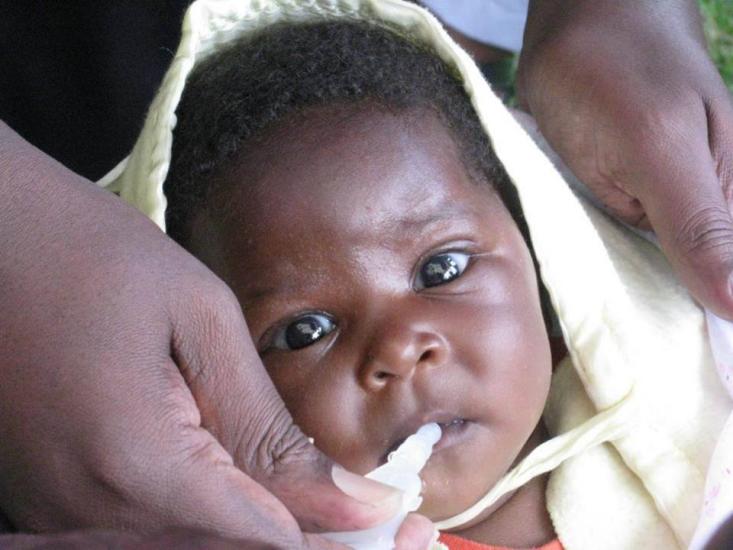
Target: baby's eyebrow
[(262, 289), (257, 294), (446, 211)]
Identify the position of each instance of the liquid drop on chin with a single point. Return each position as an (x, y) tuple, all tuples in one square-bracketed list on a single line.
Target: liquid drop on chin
[(402, 470)]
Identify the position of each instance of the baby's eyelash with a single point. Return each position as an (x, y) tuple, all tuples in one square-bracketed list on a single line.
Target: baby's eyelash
[(478, 254)]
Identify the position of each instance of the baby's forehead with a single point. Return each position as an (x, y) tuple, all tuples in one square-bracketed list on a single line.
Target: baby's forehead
[(345, 184), (349, 159)]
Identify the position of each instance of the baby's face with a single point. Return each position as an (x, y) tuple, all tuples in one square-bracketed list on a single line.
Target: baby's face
[(385, 289)]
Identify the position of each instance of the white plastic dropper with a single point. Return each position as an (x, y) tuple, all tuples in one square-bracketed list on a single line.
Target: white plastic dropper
[(401, 471)]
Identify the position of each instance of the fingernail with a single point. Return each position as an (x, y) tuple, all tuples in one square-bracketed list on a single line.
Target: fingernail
[(365, 490)]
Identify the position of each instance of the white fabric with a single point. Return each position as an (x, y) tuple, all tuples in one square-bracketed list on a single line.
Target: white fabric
[(718, 493), (496, 22), (633, 333)]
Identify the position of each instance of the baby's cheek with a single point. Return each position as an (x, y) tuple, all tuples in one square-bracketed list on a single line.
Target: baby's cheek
[(512, 363), (323, 409)]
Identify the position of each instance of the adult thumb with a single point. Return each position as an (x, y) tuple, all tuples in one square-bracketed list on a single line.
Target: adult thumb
[(685, 202)]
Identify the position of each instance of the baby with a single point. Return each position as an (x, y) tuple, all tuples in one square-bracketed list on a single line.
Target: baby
[(330, 162), (336, 177)]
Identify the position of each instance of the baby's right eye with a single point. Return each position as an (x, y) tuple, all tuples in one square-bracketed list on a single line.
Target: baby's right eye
[(441, 269), (303, 331)]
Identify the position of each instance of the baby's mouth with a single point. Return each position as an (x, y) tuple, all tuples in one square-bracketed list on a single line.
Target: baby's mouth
[(452, 432)]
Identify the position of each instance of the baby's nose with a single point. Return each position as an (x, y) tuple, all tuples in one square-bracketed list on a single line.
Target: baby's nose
[(397, 353)]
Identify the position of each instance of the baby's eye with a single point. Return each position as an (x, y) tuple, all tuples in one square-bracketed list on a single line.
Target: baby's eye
[(303, 331), (441, 269)]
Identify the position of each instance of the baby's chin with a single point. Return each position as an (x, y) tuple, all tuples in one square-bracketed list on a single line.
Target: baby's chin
[(454, 479), (445, 496), (484, 515)]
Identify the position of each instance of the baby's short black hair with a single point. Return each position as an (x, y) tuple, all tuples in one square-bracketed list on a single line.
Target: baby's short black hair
[(234, 95)]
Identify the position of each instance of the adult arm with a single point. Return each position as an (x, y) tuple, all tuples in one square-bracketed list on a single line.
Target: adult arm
[(626, 93), (130, 392)]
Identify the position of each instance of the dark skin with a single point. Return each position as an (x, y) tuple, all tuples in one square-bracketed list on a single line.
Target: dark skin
[(626, 93), (384, 353), (571, 47), (210, 455), (107, 539)]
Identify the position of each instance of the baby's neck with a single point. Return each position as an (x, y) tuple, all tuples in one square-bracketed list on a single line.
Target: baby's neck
[(522, 521)]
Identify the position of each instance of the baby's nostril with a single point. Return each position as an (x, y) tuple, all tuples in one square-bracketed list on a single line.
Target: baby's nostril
[(427, 355), (381, 375)]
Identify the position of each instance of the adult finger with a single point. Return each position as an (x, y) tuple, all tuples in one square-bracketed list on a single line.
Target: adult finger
[(723, 537), (416, 533)]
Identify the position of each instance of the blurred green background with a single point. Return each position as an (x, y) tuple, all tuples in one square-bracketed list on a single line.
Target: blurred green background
[(718, 18)]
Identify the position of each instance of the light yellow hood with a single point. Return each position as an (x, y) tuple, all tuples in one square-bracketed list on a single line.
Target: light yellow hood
[(625, 319)]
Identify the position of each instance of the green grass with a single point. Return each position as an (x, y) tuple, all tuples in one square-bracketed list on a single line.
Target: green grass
[(718, 19)]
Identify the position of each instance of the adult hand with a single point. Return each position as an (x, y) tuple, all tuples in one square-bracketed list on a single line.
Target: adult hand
[(625, 92), (98, 539), (174, 539), (131, 395), (723, 537)]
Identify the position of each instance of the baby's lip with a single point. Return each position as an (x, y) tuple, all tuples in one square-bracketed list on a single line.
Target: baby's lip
[(442, 418)]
